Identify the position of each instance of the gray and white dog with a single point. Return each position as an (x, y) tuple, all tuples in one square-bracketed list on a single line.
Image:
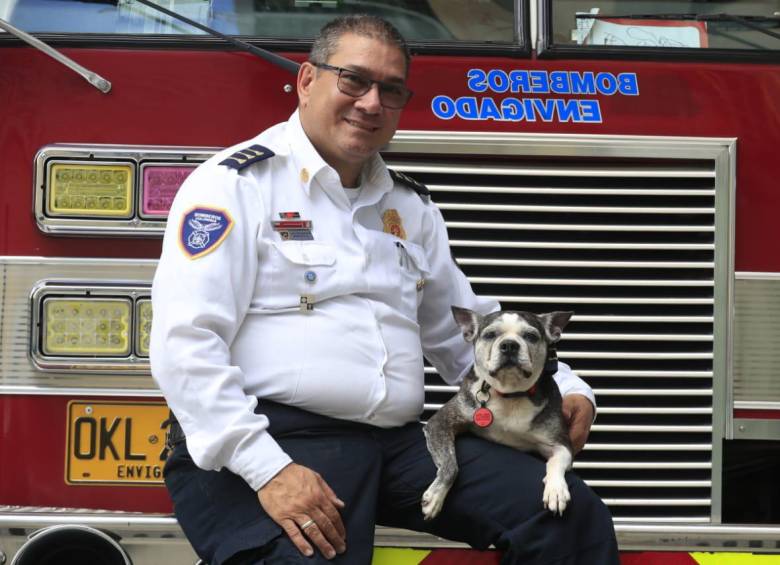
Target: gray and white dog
[(509, 397)]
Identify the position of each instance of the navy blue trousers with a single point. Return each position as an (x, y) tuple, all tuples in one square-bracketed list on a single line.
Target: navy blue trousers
[(381, 475)]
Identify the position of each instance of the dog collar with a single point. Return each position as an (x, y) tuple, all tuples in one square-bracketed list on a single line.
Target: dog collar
[(530, 392)]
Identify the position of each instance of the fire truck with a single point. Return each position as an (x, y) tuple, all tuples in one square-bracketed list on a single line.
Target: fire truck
[(617, 159)]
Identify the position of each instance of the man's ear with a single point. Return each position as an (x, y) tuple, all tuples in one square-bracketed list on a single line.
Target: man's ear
[(468, 321), (306, 75), (554, 322)]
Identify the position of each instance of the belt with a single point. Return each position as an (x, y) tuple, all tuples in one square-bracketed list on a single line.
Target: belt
[(175, 435)]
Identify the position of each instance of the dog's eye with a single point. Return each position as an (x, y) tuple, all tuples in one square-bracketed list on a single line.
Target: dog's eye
[(489, 335), (531, 337)]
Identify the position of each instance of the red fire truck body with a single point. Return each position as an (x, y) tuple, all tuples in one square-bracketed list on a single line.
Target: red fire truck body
[(637, 186)]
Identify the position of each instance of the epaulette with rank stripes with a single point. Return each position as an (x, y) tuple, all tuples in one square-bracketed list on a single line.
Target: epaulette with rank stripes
[(246, 156), (409, 182)]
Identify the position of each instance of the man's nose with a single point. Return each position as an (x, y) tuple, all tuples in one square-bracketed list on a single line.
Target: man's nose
[(509, 347), (370, 101)]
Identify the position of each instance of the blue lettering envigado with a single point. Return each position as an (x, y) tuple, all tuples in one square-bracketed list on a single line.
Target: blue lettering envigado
[(556, 104)]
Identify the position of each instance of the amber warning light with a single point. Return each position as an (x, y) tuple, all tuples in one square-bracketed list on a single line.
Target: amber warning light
[(87, 189)]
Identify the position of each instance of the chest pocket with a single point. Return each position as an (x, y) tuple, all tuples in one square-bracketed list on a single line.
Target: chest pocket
[(297, 270)]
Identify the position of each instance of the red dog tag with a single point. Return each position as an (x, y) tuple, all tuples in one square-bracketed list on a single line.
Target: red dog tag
[(483, 417)]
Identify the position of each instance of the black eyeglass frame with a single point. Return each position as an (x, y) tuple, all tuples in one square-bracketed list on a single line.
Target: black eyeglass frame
[(371, 82)]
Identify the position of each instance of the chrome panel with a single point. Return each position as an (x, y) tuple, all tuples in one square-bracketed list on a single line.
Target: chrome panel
[(634, 235), (18, 373), (136, 155), (749, 428), (756, 338)]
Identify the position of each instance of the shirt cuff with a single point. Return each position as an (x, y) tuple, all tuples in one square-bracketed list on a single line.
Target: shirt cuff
[(259, 460)]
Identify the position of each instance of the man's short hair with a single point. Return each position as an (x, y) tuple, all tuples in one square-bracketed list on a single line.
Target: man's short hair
[(326, 43)]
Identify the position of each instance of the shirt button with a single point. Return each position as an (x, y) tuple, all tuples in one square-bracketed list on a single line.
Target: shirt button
[(304, 175), (310, 276)]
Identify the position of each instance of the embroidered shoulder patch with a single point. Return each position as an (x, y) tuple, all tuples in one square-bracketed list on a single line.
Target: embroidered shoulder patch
[(246, 156), (203, 230), (409, 182)]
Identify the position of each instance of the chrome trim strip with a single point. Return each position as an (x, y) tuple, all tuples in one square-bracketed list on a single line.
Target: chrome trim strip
[(652, 392), (80, 392), (657, 501), (594, 282), (641, 465), (588, 300), (630, 373), (723, 311), (630, 355), (652, 532), (573, 191), (577, 227), (659, 410), (749, 275), (74, 261), (659, 484), (582, 245), (756, 405), (652, 429), (600, 264), (648, 447), (554, 171), (617, 318), (575, 209), (639, 337)]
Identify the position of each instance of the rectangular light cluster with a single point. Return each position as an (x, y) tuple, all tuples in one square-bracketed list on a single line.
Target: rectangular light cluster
[(81, 327), (110, 189)]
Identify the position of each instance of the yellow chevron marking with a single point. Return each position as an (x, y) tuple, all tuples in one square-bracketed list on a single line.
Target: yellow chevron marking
[(735, 559), (398, 556)]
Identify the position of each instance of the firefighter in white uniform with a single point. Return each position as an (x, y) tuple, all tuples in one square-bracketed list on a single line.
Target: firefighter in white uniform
[(279, 282)]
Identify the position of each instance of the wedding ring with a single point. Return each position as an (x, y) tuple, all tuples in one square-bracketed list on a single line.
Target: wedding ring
[(307, 524)]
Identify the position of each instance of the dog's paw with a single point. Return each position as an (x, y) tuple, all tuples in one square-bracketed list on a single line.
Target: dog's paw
[(432, 501), (556, 494)]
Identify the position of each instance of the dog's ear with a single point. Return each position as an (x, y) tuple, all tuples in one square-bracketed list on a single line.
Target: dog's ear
[(554, 322), (468, 322)]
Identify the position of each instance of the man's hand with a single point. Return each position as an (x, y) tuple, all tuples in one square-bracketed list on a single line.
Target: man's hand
[(578, 413), (301, 502)]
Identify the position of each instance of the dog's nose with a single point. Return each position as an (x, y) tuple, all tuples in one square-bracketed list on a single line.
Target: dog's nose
[(509, 346)]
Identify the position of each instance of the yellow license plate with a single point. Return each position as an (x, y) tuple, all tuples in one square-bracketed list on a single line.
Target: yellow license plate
[(114, 443)]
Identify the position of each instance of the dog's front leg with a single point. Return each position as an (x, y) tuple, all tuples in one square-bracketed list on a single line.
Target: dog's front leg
[(556, 491), (440, 434)]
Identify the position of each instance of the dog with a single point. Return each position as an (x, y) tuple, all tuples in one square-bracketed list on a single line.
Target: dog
[(509, 396)]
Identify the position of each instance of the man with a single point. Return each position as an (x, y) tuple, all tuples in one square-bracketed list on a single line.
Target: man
[(299, 287)]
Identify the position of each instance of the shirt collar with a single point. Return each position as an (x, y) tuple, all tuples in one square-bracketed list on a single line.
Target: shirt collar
[(374, 178), (307, 161)]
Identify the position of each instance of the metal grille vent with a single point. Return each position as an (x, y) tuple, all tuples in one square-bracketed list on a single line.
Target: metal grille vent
[(756, 335), (628, 243)]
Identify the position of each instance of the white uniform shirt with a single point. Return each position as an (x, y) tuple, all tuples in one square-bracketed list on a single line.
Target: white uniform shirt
[(229, 326)]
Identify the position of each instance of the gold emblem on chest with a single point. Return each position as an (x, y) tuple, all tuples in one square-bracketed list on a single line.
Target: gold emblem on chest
[(391, 221)]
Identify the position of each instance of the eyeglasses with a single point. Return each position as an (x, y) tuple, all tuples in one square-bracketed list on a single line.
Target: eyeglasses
[(393, 96)]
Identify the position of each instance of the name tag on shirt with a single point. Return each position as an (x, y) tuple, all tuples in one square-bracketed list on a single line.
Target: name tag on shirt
[(295, 230)]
